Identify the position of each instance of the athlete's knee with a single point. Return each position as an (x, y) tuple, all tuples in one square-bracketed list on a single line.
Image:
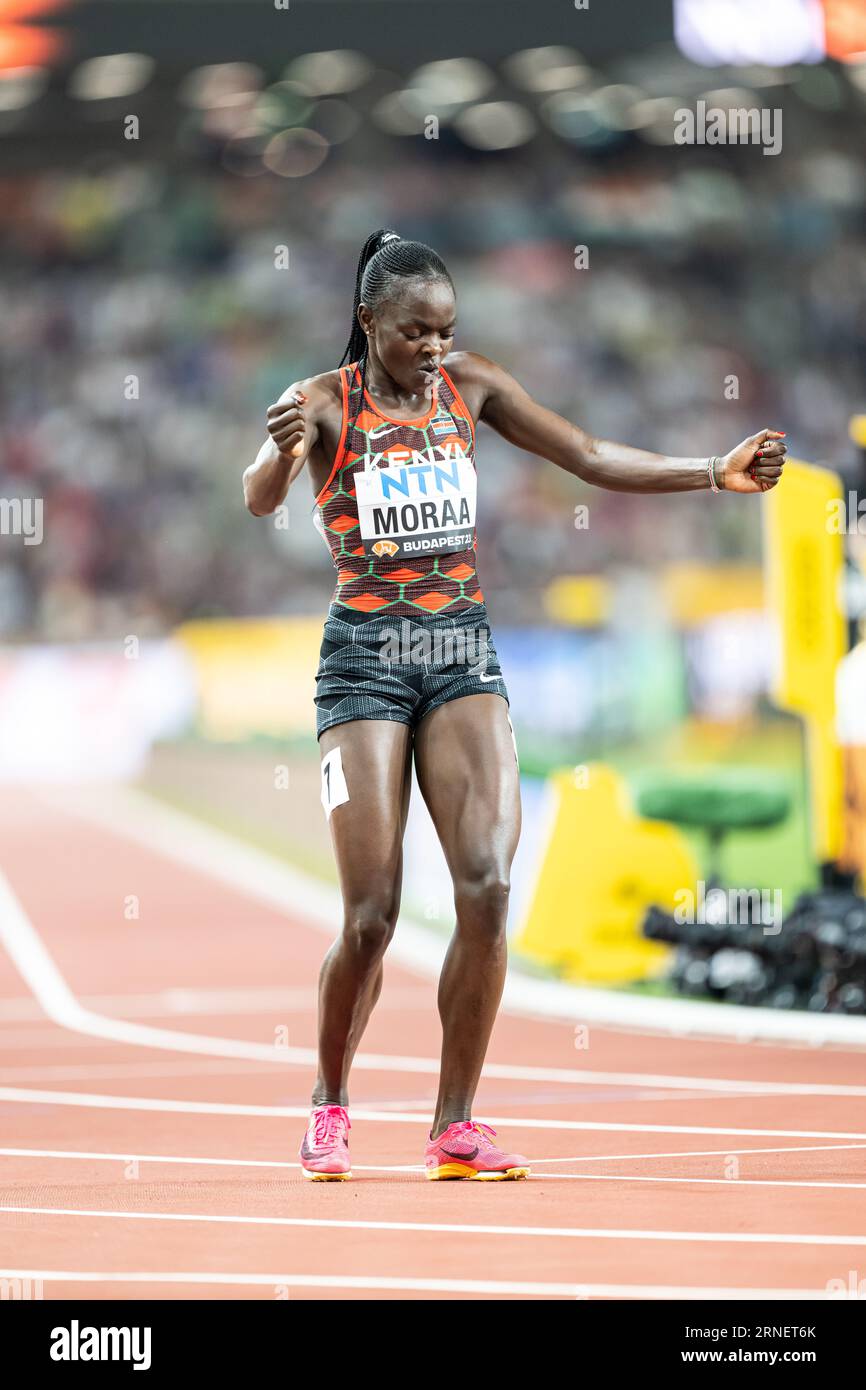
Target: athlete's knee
[(369, 926), (481, 896)]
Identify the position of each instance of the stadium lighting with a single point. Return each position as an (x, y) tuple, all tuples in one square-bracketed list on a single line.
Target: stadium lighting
[(295, 153), (330, 72), (592, 116), (21, 86), (495, 125), (451, 82), (550, 69), (774, 32), (856, 73), (398, 113), (654, 119), (116, 75), (220, 84)]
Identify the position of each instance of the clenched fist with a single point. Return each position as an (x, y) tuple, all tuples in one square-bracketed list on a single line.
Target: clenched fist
[(756, 464), (286, 424)]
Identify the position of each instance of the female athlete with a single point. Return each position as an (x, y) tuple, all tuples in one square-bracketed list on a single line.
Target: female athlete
[(408, 669)]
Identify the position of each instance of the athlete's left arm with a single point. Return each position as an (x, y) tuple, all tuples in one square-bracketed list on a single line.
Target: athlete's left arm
[(511, 411)]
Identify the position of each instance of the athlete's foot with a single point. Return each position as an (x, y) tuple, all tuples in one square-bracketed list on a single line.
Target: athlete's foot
[(324, 1153), (465, 1150)]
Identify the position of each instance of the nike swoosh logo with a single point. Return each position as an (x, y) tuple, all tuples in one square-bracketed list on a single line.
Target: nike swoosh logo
[(477, 670), (454, 1155), (386, 429), (307, 1152)]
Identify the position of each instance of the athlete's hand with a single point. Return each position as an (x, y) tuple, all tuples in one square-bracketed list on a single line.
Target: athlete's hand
[(756, 464), (286, 424)]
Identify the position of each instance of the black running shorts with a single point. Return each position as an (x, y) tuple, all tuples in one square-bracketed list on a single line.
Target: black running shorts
[(399, 668)]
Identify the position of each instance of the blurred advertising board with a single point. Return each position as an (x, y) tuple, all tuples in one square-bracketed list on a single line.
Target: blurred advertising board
[(90, 713), (566, 683), (254, 676)]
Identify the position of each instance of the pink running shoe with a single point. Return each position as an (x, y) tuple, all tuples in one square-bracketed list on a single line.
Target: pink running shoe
[(464, 1150), (324, 1153)]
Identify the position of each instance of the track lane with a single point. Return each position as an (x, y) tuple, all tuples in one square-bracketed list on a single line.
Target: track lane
[(186, 940)]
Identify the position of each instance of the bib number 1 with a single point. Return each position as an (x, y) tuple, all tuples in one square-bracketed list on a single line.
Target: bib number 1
[(334, 789)]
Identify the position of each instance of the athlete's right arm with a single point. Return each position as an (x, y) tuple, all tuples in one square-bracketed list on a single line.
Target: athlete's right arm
[(293, 430)]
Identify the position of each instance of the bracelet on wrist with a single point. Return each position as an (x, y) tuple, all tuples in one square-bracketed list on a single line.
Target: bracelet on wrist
[(711, 466)]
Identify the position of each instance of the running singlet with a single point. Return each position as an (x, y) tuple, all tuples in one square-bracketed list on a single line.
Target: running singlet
[(398, 510)]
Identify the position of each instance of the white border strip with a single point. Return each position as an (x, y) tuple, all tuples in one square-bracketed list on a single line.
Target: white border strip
[(696, 1153), (676, 1179), (98, 1101), (453, 1227), (400, 1282), (131, 1157), (121, 1158)]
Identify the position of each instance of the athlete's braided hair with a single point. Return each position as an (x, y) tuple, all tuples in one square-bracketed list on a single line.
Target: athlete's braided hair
[(385, 260)]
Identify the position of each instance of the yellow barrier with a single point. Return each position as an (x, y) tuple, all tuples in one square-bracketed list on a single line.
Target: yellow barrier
[(695, 593), (578, 600), (255, 676), (602, 868), (804, 560)]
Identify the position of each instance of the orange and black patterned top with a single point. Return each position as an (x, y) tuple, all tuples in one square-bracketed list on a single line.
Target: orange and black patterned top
[(398, 510)]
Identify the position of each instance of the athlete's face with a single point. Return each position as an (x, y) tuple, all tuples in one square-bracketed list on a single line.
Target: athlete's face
[(413, 335)]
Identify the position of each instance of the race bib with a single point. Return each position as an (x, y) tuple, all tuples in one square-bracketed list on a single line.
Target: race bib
[(423, 504)]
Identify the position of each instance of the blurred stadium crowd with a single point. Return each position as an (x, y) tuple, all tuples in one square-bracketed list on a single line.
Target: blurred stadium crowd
[(701, 265)]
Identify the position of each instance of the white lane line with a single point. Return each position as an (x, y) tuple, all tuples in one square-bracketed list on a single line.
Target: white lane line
[(96, 1071), (101, 1071), (200, 1107), (350, 1281), (40, 973), (702, 1153), (258, 875), (174, 1001), (93, 1100), (184, 1000), (714, 1084), (130, 1157), (720, 1182), (450, 1227), (123, 1158), (85, 1071)]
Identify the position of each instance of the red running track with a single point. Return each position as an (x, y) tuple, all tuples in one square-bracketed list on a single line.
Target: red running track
[(137, 1165)]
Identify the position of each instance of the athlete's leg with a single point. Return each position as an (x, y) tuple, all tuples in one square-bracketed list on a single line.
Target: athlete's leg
[(468, 775), (367, 834)]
